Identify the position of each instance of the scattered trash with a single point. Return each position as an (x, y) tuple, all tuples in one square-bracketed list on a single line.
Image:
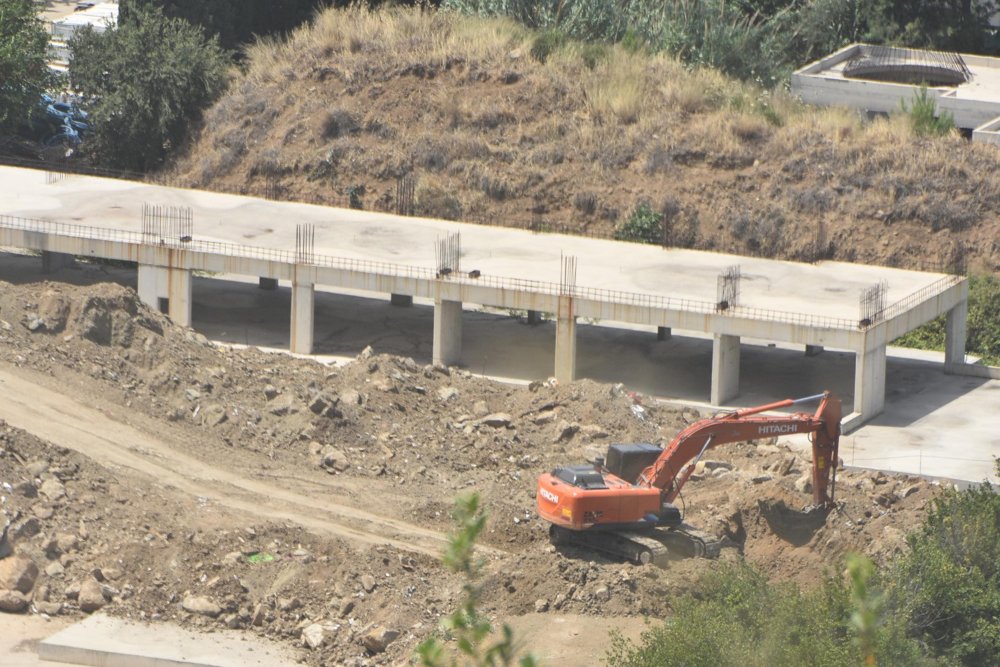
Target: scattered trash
[(260, 557)]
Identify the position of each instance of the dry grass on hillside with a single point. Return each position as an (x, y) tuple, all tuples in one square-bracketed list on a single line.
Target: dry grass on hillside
[(489, 133)]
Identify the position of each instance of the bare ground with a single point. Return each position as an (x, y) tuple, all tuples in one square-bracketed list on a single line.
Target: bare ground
[(137, 457)]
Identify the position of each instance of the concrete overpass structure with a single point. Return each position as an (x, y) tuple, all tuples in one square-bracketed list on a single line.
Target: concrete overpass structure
[(814, 306)]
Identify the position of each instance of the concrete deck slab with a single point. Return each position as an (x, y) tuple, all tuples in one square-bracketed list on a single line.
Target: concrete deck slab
[(112, 642), (825, 289)]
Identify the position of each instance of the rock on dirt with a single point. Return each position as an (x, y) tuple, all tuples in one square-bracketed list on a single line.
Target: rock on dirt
[(91, 596), (197, 604), (314, 636), (13, 602), (333, 459), (18, 573), (52, 489), (379, 639)]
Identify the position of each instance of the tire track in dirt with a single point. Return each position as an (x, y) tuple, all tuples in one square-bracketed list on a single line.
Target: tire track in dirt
[(64, 421)]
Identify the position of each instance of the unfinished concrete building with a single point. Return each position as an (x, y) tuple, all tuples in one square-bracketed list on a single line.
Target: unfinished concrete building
[(881, 79)]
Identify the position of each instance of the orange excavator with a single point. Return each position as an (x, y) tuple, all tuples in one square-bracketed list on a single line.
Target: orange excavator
[(624, 505)]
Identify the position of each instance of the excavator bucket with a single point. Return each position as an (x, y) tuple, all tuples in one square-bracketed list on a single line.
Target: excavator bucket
[(794, 526)]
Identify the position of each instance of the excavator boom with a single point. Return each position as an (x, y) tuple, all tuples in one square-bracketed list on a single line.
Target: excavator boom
[(741, 425)]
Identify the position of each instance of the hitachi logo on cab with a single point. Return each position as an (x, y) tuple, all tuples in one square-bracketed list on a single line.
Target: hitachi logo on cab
[(778, 429), (549, 496)]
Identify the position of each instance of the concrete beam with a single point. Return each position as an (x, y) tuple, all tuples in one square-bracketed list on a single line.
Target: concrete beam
[(447, 346), (954, 334), (725, 368), (869, 382), (268, 284), (663, 333), (565, 370), (303, 306), (401, 300), (53, 261)]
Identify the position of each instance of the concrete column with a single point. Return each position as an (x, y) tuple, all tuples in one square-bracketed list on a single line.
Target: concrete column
[(565, 370), (152, 285), (725, 368), (869, 382), (160, 285), (447, 347), (534, 317), (401, 300), (663, 333), (954, 334), (813, 350), (269, 284), (179, 295), (53, 261), (303, 298)]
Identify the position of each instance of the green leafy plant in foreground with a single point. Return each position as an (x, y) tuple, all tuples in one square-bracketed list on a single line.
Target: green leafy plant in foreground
[(468, 628)]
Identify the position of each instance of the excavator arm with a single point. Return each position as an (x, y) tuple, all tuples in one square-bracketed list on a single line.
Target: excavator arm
[(672, 468)]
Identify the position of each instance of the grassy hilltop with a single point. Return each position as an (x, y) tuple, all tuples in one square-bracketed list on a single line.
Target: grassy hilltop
[(499, 124)]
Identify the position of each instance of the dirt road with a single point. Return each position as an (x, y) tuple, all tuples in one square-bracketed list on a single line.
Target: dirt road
[(68, 422)]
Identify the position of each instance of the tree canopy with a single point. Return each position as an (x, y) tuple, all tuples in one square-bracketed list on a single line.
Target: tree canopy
[(23, 71), (145, 83)]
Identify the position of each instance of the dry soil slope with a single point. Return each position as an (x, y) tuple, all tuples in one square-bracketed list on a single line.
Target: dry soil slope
[(491, 134)]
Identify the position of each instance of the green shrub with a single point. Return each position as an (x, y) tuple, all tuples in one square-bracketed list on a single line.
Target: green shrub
[(23, 73), (593, 55), (545, 44), (644, 225), (948, 585), (982, 323), (147, 82), (740, 619), (924, 118)]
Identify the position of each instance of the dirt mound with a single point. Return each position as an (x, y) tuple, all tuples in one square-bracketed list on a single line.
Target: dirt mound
[(110, 317), (485, 132), (382, 435)]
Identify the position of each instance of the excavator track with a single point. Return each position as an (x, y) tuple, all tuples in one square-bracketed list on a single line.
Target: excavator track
[(657, 547)]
